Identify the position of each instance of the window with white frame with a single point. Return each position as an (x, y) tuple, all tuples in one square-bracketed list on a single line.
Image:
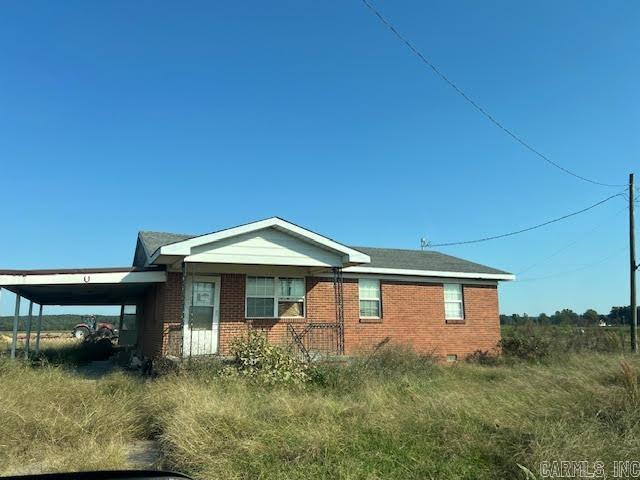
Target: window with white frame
[(291, 297), (271, 297), (453, 302), (369, 292)]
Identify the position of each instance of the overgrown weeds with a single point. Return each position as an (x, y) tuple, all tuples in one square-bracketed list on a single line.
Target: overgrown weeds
[(255, 358), (399, 415), (53, 420), (393, 414)]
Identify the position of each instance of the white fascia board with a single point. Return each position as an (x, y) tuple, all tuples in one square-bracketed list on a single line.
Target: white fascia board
[(83, 278), (430, 273), (184, 248), (410, 278)]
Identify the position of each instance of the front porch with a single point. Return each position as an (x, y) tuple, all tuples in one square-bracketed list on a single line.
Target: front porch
[(206, 306)]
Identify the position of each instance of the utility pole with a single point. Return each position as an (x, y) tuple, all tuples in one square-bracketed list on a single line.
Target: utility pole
[(632, 267)]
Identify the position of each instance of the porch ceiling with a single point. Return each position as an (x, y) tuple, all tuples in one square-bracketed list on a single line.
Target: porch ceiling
[(85, 294)]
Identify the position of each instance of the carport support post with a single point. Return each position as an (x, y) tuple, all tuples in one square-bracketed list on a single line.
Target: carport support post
[(14, 340), (121, 319), (39, 330), (28, 337)]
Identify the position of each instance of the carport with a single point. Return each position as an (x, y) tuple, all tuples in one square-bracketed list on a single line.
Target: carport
[(81, 286)]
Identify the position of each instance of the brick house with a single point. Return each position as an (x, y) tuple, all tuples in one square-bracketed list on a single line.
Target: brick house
[(194, 294)]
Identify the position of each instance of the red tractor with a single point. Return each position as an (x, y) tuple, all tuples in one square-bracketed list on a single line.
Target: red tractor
[(89, 327)]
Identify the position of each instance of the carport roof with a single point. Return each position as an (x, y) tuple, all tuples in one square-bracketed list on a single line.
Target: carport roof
[(82, 286)]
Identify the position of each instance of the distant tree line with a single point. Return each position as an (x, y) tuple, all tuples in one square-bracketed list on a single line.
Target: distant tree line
[(53, 322), (617, 316)]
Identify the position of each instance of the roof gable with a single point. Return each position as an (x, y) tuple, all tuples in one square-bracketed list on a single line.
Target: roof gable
[(268, 246), (285, 240)]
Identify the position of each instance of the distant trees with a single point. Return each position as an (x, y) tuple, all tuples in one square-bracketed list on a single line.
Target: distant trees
[(591, 317), (566, 316), (621, 315), (54, 322)]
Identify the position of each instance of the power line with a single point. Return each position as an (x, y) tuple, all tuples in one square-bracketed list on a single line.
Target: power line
[(528, 229), (475, 105), (583, 267), (581, 237)]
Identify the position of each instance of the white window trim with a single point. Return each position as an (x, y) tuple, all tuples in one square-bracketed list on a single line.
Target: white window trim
[(379, 300), (461, 301), (276, 297)]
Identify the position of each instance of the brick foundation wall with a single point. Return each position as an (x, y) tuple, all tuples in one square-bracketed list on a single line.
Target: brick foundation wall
[(412, 314)]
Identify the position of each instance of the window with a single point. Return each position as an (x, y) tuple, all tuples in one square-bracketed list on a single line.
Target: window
[(261, 296), (453, 304), (369, 291), (268, 295), (129, 317), (201, 317), (291, 297)]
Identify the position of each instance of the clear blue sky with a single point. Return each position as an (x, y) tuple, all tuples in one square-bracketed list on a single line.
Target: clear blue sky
[(194, 116)]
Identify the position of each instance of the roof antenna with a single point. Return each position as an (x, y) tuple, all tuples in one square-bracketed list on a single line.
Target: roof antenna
[(424, 243)]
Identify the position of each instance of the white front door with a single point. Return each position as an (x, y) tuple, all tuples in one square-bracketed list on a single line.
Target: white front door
[(202, 314)]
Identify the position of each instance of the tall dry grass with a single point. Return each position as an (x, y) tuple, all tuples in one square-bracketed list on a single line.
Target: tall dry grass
[(401, 421), (52, 420), (396, 415)]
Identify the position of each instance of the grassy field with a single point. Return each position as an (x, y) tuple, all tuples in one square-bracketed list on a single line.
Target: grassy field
[(395, 415)]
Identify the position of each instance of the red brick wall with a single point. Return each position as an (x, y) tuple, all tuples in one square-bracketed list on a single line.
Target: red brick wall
[(233, 323), (413, 314), (149, 324), (159, 310)]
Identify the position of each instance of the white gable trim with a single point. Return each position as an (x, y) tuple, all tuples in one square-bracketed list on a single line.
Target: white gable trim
[(183, 248)]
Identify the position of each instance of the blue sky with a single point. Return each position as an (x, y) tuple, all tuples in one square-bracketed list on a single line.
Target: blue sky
[(193, 116)]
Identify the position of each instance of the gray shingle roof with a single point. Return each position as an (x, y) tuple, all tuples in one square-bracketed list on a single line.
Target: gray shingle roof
[(422, 260), (380, 257), (154, 240)]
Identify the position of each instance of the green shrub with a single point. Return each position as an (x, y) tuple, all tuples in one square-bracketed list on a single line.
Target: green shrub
[(384, 364), (397, 359), (72, 353), (483, 357), (255, 358), (525, 347)]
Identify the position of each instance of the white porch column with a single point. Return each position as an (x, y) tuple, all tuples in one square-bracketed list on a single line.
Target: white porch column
[(39, 330), (16, 315), (28, 337)]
